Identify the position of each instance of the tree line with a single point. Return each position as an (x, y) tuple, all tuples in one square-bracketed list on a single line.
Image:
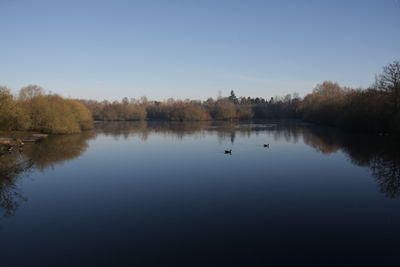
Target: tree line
[(375, 109), (223, 108)]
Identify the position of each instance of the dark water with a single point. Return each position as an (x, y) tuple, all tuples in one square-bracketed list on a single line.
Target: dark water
[(165, 194)]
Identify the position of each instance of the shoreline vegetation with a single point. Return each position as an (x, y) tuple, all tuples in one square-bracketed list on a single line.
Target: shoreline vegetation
[(375, 109)]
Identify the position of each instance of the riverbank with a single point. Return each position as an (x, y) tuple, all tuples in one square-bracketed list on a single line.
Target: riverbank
[(10, 141)]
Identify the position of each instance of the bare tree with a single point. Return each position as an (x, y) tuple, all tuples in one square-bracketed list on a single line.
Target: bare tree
[(328, 90), (30, 91), (389, 81)]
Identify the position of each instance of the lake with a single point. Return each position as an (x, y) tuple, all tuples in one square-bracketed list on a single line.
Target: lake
[(166, 194)]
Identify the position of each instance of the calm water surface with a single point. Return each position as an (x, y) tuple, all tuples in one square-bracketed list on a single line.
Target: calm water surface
[(165, 194)]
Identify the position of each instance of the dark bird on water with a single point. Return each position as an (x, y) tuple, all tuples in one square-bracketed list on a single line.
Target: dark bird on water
[(266, 145), (228, 151)]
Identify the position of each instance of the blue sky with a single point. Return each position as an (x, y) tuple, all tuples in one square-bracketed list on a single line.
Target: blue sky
[(194, 49)]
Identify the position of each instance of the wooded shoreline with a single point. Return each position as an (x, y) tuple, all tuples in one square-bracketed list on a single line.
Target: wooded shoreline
[(375, 109)]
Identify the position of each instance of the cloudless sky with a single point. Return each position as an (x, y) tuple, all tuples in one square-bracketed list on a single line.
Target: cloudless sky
[(194, 49)]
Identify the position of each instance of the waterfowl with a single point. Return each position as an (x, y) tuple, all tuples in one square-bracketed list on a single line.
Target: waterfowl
[(228, 151), (266, 145)]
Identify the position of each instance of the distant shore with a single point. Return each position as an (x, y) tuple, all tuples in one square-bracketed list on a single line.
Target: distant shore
[(375, 109)]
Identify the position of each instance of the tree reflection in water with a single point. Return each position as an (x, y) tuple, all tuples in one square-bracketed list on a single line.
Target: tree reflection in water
[(380, 154), (52, 150), (387, 171), (57, 149), (10, 168)]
